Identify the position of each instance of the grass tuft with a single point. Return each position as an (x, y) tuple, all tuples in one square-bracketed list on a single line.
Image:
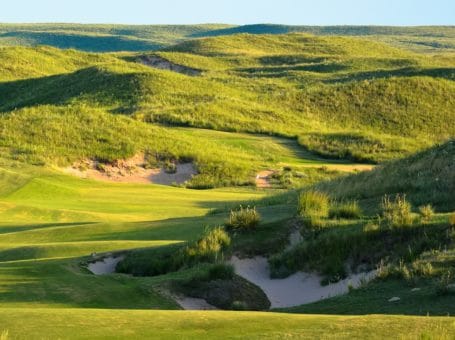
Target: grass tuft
[(244, 219)]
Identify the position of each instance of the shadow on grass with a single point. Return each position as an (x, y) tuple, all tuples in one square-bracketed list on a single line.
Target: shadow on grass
[(441, 72), (8, 228), (93, 82)]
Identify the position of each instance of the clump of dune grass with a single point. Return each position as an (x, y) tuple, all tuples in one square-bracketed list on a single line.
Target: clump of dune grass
[(426, 212), (244, 219), (313, 205), (396, 213), (209, 247)]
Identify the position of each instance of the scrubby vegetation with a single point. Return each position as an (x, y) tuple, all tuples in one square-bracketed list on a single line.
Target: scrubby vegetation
[(340, 248)]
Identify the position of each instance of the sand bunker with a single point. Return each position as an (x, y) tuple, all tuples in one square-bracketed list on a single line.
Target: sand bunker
[(105, 266), (184, 173), (132, 170), (297, 289)]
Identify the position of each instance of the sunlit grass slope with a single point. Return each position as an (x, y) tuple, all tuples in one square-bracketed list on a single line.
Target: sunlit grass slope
[(115, 324), (426, 177)]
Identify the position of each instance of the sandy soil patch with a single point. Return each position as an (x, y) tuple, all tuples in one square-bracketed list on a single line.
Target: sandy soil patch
[(297, 289), (131, 170), (105, 266), (164, 64), (263, 179)]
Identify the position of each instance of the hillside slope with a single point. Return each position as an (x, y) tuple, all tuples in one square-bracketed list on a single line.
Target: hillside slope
[(427, 177), (342, 97)]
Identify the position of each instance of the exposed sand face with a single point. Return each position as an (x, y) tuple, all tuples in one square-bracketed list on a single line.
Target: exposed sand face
[(297, 289), (131, 170), (263, 179), (164, 64), (105, 266)]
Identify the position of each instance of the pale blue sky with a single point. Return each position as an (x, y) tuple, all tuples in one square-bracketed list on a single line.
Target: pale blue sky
[(303, 12)]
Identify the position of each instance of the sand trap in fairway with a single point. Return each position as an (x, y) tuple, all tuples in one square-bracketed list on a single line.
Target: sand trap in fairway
[(184, 173), (297, 289), (105, 266)]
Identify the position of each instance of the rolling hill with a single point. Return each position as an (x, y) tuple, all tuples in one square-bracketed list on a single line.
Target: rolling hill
[(110, 38), (348, 98)]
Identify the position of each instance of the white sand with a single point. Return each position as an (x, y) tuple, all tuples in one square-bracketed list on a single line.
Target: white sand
[(104, 266), (297, 289)]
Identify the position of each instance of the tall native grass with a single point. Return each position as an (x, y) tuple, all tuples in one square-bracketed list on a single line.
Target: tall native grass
[(397, 212), (243, 219), (313, 205)]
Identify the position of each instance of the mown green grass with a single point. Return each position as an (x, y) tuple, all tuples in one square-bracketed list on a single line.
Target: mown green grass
[(113, 324)]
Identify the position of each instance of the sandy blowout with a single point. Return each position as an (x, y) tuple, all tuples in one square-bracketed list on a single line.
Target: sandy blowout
[(131, 170)]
